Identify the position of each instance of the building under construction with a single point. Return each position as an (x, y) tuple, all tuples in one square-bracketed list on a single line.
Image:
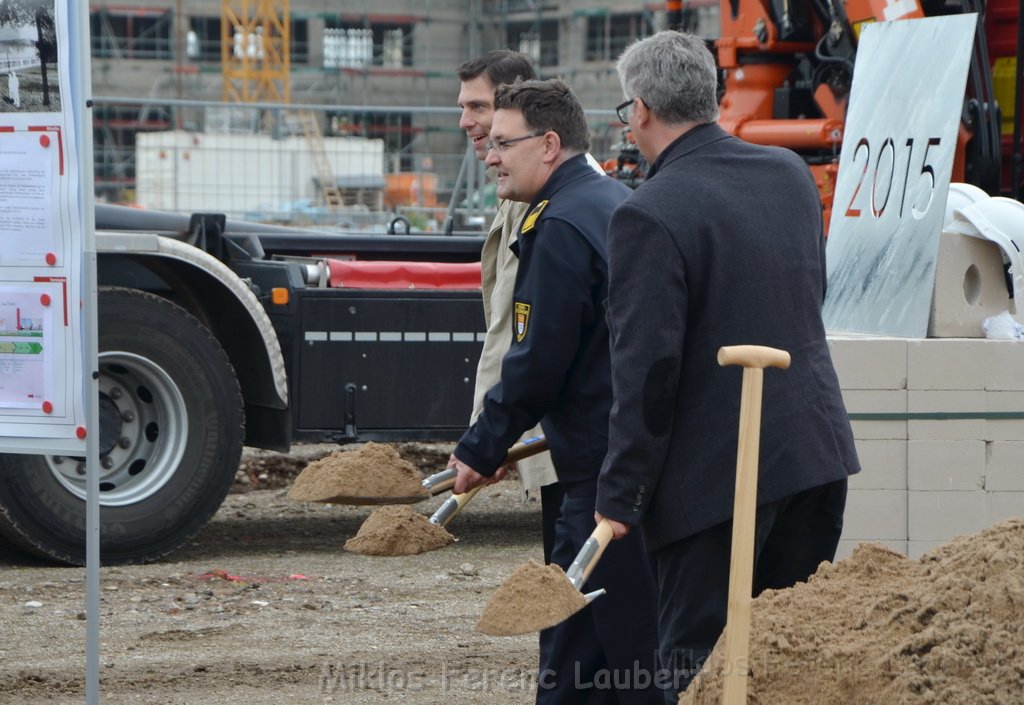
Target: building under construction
[(173, 64)]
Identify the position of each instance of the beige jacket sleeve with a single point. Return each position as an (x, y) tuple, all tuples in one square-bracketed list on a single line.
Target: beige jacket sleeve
[(498, 276)]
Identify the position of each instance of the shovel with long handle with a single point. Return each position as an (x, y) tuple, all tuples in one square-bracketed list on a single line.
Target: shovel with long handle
[(753, 358), (454, 504)]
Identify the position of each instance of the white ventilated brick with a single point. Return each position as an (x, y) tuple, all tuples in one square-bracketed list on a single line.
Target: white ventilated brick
[(846, 547), (946, 363), (945, 466), (1004, 429), (948, 402), (873, 515), (939, 516), (1005, 505), (1004, 364), (869, 363), (1004, 467), (883, 465)]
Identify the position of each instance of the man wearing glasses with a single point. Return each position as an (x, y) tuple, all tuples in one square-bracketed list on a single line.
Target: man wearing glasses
[(721, 245), (558, 372), (478, 77)]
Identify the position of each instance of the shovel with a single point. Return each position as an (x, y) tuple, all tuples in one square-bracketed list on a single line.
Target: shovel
[(551, 597), (445, 479), (753, 358)]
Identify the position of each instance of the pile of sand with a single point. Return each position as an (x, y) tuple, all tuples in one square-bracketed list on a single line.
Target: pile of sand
[(534, 597), (397, 531), (878, 628), (372, 474)]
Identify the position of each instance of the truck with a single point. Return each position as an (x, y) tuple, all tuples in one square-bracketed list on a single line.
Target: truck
[(214, 334)]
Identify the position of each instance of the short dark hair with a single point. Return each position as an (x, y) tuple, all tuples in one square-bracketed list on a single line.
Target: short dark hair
[(547, 106), (500, 66)]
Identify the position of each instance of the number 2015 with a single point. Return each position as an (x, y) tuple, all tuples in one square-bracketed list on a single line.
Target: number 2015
[(880, 198)]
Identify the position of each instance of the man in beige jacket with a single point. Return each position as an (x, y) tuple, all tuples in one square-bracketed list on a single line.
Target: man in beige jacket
[(478, 78)]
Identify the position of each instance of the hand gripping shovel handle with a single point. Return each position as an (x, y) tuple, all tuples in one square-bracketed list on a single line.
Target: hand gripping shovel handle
[(454, 504), (590, 554)]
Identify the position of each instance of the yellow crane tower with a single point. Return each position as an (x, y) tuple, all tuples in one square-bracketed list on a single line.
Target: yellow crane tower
[(255, 52)]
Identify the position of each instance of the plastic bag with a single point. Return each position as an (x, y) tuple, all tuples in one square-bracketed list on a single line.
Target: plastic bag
[(1002, 327)]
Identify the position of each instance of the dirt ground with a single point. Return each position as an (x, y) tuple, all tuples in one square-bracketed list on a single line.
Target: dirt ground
[(264, 606)]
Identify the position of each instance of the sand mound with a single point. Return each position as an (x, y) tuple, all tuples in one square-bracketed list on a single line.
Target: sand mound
[(878, 628), (397, 531), (534, 597), (372, 474)]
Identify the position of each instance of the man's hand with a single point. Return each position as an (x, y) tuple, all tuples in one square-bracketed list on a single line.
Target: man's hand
[(618, 528), (468, 478)]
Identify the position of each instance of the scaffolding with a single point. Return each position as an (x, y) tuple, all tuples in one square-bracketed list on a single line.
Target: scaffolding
[(255, 50), (322, 54)]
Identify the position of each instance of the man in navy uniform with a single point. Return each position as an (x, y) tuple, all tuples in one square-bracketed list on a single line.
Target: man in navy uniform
[(558, 372)]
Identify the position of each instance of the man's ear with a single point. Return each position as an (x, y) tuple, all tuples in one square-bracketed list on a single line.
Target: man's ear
[(642, 113), (552, 146)]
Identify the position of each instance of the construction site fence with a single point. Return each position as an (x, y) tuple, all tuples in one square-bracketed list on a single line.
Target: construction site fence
[(351, 167)]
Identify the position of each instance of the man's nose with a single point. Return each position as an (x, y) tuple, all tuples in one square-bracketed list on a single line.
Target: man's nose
[(465, 122), (492, 158)]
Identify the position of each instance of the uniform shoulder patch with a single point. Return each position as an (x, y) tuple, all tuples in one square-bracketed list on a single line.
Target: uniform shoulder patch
[(530, 221), (522, 319)]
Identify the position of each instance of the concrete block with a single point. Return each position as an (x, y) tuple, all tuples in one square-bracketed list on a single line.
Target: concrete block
[(1004, 363), (875, 514), (879, 430), (1004, 466), (1008, 429), (1005, 505), (946, 364), (846, 546), (945, 466), (869, 362), (969, 286), (939, 516), (939, 402), (883, 465), (875, 401)]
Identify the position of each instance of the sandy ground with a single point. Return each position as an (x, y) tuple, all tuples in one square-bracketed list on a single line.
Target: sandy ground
[(264, 606)]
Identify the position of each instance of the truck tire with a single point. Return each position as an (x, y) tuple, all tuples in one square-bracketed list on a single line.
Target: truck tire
[(171, 430)]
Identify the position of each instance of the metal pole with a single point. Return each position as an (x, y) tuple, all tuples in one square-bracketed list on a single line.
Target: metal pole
[(81, 115)]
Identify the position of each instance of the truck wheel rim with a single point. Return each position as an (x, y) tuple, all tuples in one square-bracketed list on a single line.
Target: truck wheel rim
[(143, 432)]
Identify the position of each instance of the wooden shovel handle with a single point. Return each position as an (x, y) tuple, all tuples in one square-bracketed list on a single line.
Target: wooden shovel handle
[(585, 561), (753, 358), (757, 356), (445, 480)]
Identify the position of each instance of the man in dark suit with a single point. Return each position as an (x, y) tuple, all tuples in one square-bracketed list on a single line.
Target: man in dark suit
[(722, 245), (558, 372)]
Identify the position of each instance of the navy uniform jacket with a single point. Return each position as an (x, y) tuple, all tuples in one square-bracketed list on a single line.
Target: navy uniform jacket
[(557, 370), (722, 245)]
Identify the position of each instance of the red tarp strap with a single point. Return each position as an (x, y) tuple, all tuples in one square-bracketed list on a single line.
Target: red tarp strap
[(367, 274)]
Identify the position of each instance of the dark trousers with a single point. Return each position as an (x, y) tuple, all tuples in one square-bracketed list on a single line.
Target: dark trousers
[(793, 535), (607, 652), (550, 507)]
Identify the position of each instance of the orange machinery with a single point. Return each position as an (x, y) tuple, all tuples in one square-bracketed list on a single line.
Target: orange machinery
[(787, 67)]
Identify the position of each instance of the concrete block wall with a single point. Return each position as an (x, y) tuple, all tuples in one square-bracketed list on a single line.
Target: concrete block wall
[(939, 426)]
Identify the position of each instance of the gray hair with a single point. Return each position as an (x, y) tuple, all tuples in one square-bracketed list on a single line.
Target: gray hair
[(674, 74)]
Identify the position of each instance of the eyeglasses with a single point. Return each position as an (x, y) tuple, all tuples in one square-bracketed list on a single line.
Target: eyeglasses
[(622, 110), (504, 145)]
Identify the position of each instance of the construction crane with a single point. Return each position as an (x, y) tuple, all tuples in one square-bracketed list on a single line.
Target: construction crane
[(256, 66)]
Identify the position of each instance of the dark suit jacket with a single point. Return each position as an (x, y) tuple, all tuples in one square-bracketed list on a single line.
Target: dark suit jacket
[(722, 245)]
